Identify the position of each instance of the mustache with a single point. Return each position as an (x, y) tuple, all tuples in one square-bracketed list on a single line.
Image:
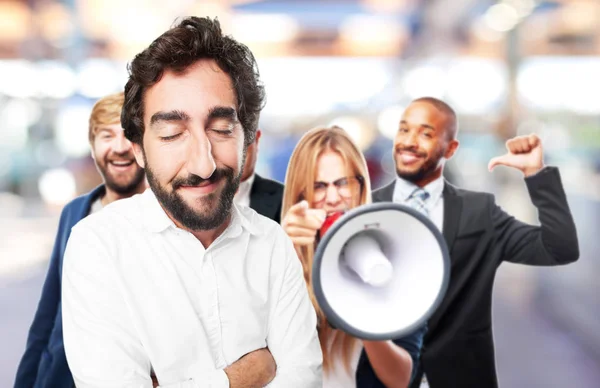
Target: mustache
[(195, 180), (411, 150), (120, 155)]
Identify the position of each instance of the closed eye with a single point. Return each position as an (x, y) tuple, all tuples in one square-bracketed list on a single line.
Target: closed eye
[(169, 138), (223, 131)]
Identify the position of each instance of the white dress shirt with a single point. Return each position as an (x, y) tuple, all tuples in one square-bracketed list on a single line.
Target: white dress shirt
[(242, 197), (434, 204), (138, 293), (96, 205)]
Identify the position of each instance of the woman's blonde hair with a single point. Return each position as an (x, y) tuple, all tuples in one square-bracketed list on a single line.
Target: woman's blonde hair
[(299, 185)]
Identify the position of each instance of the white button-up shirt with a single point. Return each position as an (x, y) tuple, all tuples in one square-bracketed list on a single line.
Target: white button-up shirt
[(138, 294), (434, 204), (242, 197)]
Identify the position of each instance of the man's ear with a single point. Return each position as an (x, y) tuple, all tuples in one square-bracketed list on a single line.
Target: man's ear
[(257, 137), (452, 147), (138, 152)]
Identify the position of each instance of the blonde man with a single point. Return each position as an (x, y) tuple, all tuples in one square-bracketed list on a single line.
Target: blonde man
[(43, 363)]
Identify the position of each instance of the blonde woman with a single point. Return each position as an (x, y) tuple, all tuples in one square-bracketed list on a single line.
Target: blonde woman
[(326, 174)]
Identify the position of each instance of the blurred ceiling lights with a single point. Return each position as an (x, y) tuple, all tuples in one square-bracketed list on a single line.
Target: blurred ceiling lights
[(16, 116), (369, 28), (506, 14), (523, 8), (472, 85), (501, 17), (358, 129), (55, 21), (314, 86), (98, 77), (15, 22), (276, 28), (55, 79), (372, 35), (541, 89), (476, 85), (264, 27), (18, 78), (387, 6), (426, 79), (57, 186), (68, 133), (388, 120)]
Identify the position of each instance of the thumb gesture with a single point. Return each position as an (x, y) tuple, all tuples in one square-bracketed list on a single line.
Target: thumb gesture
[(524, 153)]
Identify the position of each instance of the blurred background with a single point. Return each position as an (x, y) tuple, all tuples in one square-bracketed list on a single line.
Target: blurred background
[(508, 67)]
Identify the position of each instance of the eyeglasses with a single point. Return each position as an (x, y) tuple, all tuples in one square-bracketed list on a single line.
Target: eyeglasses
[(346, 188)]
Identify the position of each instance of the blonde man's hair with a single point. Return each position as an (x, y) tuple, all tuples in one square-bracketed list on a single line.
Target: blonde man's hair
[(299, 185), (106, 111)]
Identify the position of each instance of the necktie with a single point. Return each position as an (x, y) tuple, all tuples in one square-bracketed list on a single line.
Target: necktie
[(417, 200)]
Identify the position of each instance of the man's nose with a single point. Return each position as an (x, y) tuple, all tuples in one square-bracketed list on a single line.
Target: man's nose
[(120, 144), (408, 140), (201, 161)]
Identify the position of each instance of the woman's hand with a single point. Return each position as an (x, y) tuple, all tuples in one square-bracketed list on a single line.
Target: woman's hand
[(302, 223)]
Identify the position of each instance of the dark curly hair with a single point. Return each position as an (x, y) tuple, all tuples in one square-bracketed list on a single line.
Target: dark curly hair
[(180, 47)]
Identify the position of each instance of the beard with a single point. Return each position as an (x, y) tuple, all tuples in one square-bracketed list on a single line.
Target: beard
[(186, 215), (429, 166), (125, 186)]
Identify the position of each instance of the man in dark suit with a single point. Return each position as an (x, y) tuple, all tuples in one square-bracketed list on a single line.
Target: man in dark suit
[(44, 363), (458, 349), (261, 194)]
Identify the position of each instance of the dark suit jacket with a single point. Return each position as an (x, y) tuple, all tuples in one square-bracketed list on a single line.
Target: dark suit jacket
[(458, 348), (266, 197), (44, 363)]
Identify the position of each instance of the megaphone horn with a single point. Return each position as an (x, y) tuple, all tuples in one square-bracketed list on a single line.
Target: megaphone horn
[(380, 271)]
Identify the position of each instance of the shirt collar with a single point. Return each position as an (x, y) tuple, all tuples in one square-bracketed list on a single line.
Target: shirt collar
[(244, 189), (403, 189), (241, 219), (156, 219), (248, 182)]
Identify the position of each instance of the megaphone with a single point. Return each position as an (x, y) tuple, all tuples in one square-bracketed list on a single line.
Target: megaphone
[(380, 271)]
